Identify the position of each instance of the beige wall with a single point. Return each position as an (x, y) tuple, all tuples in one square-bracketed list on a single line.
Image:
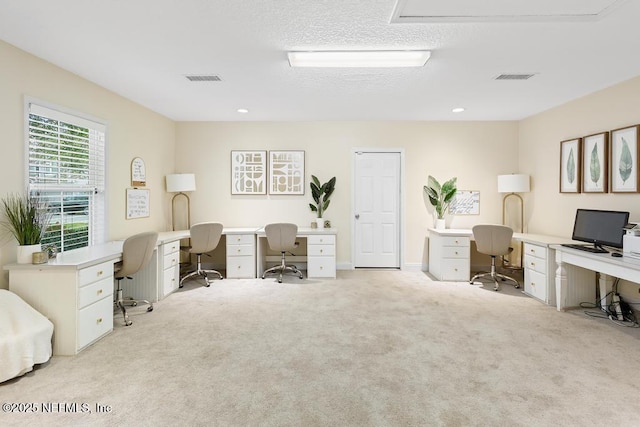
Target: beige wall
[(132, 131), (475, 152), (549, 211)]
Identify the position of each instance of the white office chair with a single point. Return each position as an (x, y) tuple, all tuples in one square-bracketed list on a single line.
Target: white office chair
[(493, 240), (136, 254), (281, 237), (204, 238)]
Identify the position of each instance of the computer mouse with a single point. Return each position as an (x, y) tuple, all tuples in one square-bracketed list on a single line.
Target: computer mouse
[(616, 254)]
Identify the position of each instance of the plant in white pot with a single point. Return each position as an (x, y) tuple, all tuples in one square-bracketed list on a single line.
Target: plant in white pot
[(27, 219), (321, 195), (440, 197)]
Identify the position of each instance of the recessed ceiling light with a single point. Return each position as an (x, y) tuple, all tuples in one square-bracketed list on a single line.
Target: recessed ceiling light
[(457, 110), (362, 58), (243, 110)]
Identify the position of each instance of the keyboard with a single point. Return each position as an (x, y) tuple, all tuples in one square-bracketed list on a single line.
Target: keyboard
[(585, 248)]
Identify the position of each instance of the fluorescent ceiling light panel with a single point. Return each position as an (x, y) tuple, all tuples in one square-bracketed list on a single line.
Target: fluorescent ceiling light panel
[(361, 58)]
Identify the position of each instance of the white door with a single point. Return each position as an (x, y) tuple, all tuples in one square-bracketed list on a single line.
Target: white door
[(377, 209)]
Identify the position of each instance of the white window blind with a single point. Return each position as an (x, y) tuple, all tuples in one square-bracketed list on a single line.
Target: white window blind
[(66, 169)]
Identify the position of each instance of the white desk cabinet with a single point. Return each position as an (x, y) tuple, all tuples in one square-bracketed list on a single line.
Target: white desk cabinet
[(539, 272), (170, 267), (241, 253), (449, 254), (321, 256), (78, 301)]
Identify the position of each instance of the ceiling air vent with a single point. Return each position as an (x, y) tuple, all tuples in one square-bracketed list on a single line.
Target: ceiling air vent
[(204, 78), (514, 76)]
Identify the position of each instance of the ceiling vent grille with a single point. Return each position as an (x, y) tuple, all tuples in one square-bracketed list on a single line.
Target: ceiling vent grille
[(204, 78), (514, 76)]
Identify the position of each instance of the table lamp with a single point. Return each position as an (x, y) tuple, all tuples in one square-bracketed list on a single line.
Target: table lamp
[(180, 183), (512, 184)]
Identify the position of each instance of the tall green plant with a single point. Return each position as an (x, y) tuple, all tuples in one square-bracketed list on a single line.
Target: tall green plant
[(440, 196), (321, 194), (26, 218)]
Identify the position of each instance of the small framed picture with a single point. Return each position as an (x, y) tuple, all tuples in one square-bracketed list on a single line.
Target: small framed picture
[(286, 172), (570, 161), (624, 160), (595, 163), (248, 172)]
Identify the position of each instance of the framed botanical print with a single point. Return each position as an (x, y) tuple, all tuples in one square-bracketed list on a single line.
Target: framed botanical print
[(624, 160), (248, 172), (286, 172), (595, 163), (570, 162)]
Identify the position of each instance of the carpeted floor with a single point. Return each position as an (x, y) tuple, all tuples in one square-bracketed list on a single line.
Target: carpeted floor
[(371, 348)]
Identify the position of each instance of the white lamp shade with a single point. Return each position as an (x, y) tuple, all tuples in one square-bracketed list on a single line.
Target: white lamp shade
[(181, 182), (514, 183)]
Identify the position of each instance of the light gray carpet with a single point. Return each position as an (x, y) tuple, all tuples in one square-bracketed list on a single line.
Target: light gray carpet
[(372, 348)]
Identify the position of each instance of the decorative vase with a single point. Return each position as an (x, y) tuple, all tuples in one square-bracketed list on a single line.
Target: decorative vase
[(439, 224), (320, 222), (25, 253)]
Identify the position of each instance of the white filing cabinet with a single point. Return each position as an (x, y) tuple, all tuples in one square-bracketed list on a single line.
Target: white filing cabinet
[(539, 272), (241, 253), (79, 302), (170, 267), (449, 255), (321, 255)]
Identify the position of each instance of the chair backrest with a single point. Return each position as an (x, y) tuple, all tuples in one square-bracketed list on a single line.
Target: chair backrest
[(136, 253), (205, 237), (281, 236), (492, 239)]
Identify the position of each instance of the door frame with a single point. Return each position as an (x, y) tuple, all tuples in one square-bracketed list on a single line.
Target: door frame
[(401, 199)]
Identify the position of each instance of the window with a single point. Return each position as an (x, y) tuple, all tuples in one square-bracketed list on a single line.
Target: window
[(66, 170)]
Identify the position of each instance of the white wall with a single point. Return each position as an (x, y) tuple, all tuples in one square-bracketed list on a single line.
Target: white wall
[(475, 152), (132, 131)]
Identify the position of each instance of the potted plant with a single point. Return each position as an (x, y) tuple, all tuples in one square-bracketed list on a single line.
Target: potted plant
[(321, 195), (440, 197), (27, 219)]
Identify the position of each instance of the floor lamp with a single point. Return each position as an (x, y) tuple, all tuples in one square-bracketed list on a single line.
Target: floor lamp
[(180, 183), (513, 184)]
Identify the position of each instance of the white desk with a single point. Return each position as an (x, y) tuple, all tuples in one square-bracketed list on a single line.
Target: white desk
[(449, 259), (320, 252), (575, 275)]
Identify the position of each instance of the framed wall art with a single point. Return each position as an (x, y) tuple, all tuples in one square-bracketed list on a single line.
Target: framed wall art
[(570, 161), (595, 163), (138, 173), (137, 203), (248, 172), (286, 172), (624, 160), (465, 203)]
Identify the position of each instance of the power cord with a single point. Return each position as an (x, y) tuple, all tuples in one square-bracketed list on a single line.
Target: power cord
[(618, 311)]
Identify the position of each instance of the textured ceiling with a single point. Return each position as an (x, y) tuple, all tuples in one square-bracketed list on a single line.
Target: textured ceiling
[(144, 49)]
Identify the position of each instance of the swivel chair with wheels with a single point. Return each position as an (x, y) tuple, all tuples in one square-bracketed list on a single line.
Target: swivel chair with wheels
[(495, 241), (281, 237), (136, 253), (204, 238)]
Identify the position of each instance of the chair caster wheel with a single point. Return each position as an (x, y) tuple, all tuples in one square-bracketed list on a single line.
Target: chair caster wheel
[(134, 304), (128, 323), (150, 308), (221, 277)]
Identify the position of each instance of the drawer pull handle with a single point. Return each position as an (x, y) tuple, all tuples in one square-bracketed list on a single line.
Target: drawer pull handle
[(173, 279), (99, 320), (455, 269), (321, 250), (533, 264), (238, 250), (239, 267), (321, 267), (239, 239), (456, 252), (99, 291), (100, 273), (533, 284)]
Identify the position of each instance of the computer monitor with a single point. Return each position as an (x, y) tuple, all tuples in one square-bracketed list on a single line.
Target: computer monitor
[(602, 228)]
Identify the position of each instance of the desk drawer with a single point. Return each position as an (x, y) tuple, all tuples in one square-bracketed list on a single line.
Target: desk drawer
[(459, 241), (171, 260), (241, 267), (95, 291), (95, 321), (322, 239), (321, 266), (455, 269), (535, 284), (170, 247), (240, 239), (320, 250), (455, 252), (239, 250), (535, 250), (170, 280), (535, 264), (95, 273)]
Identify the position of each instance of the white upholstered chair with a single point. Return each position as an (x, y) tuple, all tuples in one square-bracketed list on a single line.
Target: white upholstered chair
[(493, 240), (136, 254), (205, 237), (281, 237)]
